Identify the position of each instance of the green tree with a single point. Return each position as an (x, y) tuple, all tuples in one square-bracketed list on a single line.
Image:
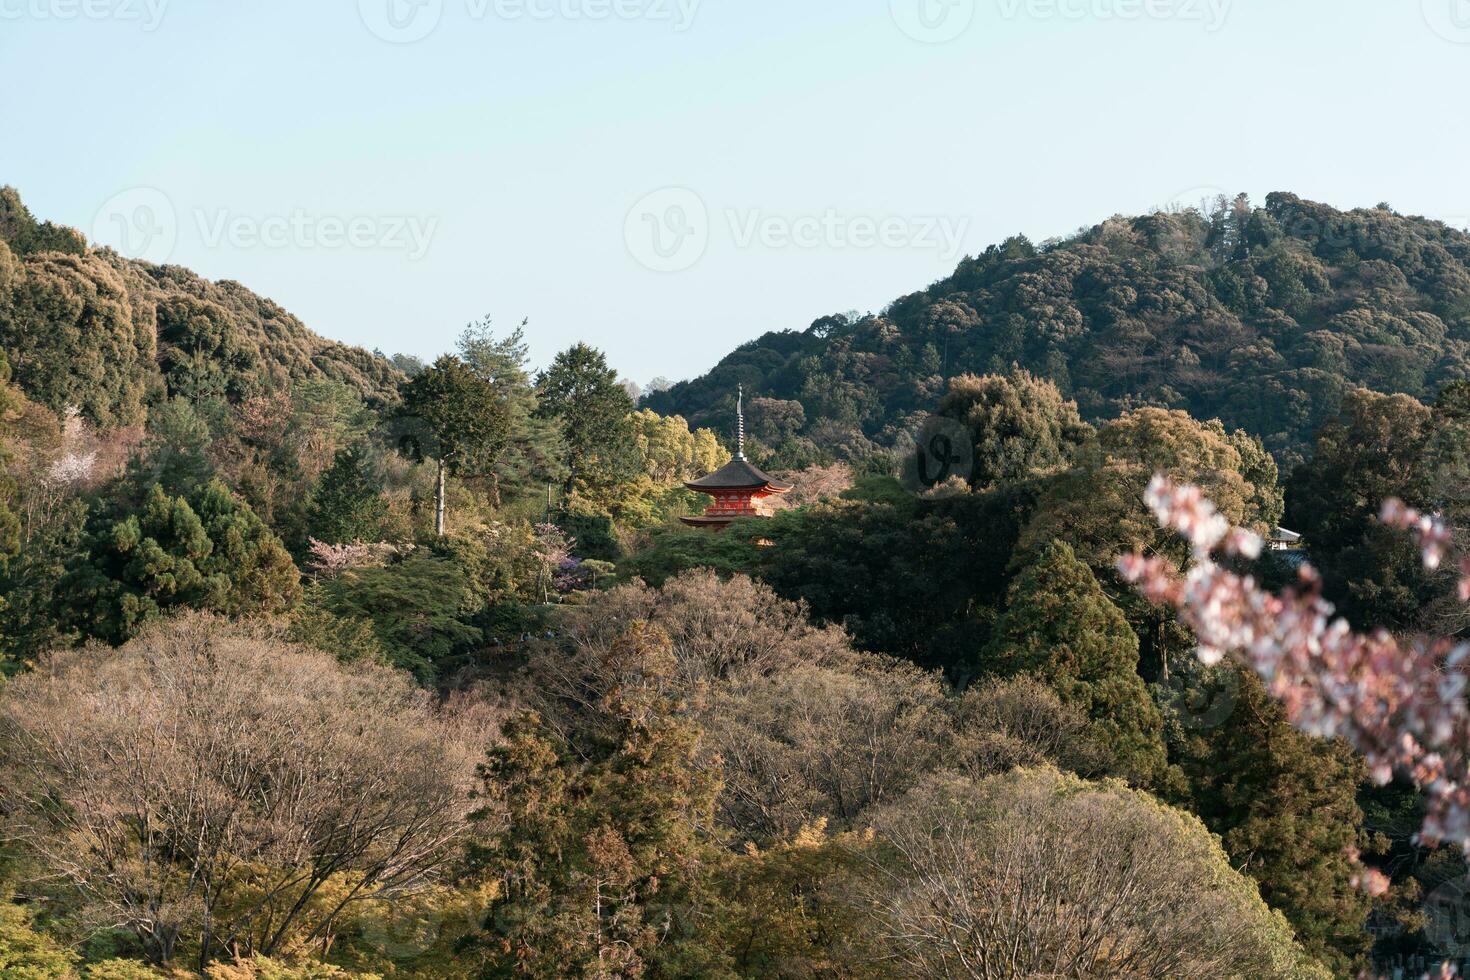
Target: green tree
[(534, 452), (465, 423), (602, 862), (1374, 450), (207, 552), (583, 394), (347, 505), (1061, 628), (418, 608), (176, 451), (1097, 506), (1020, 425), (1285, 807)]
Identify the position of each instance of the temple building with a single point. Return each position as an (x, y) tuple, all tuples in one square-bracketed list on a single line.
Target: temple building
[(736, 486)]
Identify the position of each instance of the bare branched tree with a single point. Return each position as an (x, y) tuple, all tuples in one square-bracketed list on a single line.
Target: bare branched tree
[(1036, 874), (216, 791)]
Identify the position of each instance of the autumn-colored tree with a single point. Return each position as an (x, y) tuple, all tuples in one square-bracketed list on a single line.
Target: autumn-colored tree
[(212, 790), (1034, 873), (1061, 628)]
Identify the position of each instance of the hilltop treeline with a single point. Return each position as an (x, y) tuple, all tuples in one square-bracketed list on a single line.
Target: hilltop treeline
[(1263, 317), (90, 330)]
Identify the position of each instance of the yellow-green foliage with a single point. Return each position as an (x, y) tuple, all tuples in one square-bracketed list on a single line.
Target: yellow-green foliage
[(106, 334)]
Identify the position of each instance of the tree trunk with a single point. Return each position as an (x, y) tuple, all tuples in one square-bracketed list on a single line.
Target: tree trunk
[(439, 503)]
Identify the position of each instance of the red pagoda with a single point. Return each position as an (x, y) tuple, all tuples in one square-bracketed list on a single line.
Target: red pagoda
[(736, 486)]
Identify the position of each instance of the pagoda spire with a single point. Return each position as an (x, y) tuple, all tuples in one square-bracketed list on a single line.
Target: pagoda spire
[(736, 486), (740, 422)]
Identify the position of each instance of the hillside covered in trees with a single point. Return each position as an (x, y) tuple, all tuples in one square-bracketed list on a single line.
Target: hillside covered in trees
[(317, 664), (91, 330), (1263, 317)]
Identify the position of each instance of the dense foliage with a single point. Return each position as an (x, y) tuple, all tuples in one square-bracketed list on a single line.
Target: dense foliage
[(1263, 317), (268, 713)]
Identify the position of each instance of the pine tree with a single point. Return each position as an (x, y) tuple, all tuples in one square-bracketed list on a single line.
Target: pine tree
[(346, 506), (211, 552), (534, 454), (1062, 628), (463, 422)]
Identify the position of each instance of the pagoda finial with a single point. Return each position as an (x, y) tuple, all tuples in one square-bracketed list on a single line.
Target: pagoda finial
[(740, 422)]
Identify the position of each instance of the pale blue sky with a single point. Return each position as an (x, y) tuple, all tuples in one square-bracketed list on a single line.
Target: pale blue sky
[(823, 159)]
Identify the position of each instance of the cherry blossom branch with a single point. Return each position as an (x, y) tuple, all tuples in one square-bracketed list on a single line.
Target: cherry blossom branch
[(1401, 705)]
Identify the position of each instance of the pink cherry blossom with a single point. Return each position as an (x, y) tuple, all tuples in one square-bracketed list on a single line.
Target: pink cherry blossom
[(1402, 705)]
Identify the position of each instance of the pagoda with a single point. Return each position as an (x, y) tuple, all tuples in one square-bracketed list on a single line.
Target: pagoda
[(737, 485)]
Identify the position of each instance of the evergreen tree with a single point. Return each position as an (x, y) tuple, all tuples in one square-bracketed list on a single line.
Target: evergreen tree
[(1062, 628), (211, 553), (1374, 450), (583, 394), (1285, 807), (602, 861), (1020, 425), (347, 506), (465, 423), (417, 608), (534, 452)]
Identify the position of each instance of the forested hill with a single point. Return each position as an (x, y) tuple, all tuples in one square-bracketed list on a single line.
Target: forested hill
[(90, 329), (1261, 317)]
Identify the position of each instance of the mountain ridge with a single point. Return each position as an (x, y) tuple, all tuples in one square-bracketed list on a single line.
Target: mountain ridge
[(1261, 316), (87, 328)]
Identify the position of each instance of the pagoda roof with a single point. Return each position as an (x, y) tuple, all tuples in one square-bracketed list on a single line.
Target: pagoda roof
[(739, 474)]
